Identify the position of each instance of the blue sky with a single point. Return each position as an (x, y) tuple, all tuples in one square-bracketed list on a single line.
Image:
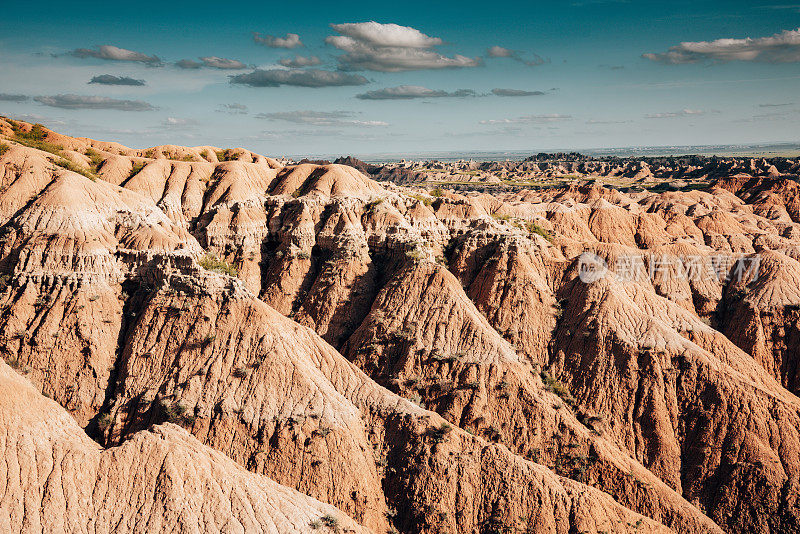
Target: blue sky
[(472, 75)]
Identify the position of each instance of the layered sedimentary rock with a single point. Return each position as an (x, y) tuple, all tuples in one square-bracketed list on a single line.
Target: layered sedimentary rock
[(568, 359)]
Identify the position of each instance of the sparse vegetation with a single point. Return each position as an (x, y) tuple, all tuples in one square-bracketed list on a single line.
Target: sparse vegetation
[(136, 168), (176, 413), (239, 372), (439, 433), (210, 262), (424, 200), (95, 158), (4, 148), (534, 228), (67, 164), (226, 155), (35, 138), (553, 385), (369, 207), (437, 192)]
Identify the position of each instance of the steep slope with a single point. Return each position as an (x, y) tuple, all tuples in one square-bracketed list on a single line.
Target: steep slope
[(56, 479)]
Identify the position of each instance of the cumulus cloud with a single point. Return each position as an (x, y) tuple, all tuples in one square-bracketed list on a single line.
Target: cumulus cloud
[(110, 79), (390, 48), (515, 92), (113, 53), (222, 63), (298, 78), (781, 47), (6, 97), (408, 92), (675, 114), (93, 102), (499, 51), (531, 119), (319, 118), (233, 109), (300, 61), (292, 40), (188, 64)]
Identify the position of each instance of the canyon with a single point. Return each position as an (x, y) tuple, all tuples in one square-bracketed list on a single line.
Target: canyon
[(204, 339)]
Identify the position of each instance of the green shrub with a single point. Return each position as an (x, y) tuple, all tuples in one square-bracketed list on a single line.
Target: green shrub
[(35, 138), (4, 148), (534, 228), (553, 385), (439, 433), (424, 200), (369, 207), (437, 192), (176, 413), (136, 169), (67, 164), (212, 263), (96, 159), (330, 521)]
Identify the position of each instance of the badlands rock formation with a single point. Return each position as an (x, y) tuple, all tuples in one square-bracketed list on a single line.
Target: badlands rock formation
[(198, 339)]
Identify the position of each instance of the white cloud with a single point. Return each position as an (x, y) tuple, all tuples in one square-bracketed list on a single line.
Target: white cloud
[(390, 48), (393, 35), (408, 92), (292, 40), (781, 47), (114, 53)]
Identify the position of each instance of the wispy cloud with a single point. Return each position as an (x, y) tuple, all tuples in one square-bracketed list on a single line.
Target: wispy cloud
[(113, 53), (222, 63), (516, 92), (409, 92), (110, 79), (390, 48), (598, 121), (93, 102), (188, 64), (781, 47), (292, 40), (298, 78), (676, 114), (768, 105), (300, 61), (6, 97), (213, 62), (178, 123), (233, 109), (531, 119), (319, 118), (784, 7), (499, 51)]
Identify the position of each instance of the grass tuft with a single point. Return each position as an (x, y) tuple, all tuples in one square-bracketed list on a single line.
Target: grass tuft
[(212, 263)]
